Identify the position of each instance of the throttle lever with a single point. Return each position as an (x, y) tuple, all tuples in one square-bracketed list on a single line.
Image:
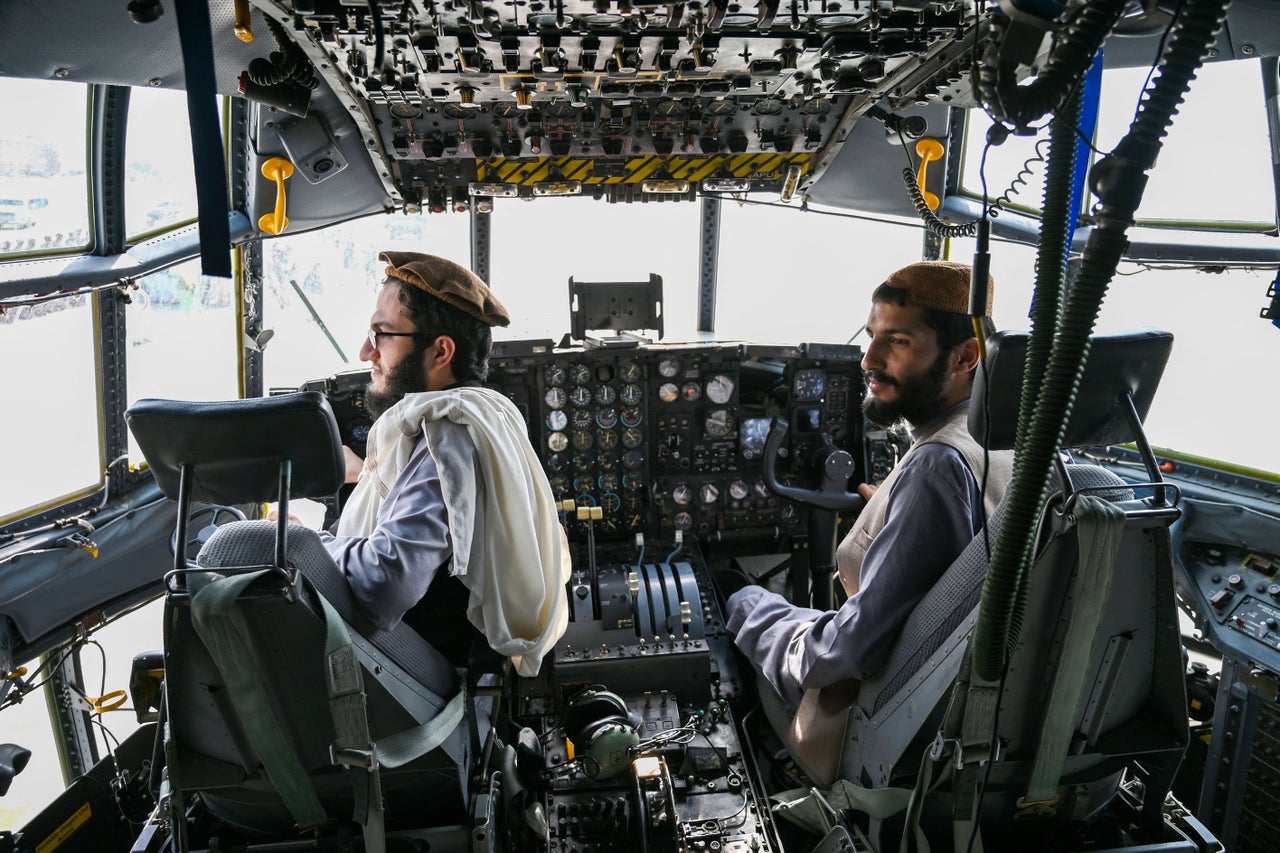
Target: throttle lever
[(836, 467)]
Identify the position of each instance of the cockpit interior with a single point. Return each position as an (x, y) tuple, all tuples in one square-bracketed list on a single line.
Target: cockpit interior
[(686, 206)]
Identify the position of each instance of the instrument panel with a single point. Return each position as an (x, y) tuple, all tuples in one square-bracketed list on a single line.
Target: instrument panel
[(666, 438)]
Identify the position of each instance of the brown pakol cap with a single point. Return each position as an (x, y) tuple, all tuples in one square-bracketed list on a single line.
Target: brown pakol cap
[(941, 285), (448, 282)]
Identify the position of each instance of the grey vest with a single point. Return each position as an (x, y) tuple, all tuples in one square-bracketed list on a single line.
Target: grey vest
[(952, 431)]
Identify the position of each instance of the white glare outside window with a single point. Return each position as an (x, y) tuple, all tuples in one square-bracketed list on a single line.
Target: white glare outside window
[(52, 428), (160, 183), (44, 189), (538, 246), (182, 338)]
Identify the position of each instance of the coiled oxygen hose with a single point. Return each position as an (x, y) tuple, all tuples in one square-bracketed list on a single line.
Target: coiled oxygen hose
[(1118, 180)]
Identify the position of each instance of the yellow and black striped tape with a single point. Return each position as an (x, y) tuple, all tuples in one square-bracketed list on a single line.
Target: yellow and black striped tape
[(762, 166)]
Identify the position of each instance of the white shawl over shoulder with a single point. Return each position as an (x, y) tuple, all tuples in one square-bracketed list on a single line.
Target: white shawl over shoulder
[(508, 546)]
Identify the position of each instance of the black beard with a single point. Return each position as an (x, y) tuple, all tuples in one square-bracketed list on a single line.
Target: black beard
[(918, 401), (405, 378)]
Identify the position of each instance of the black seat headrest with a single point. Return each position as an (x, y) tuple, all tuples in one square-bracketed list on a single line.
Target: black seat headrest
[(1127, 363), (235, 448)]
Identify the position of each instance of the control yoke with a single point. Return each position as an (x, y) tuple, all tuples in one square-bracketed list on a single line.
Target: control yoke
[(835, 464), (830, 497)]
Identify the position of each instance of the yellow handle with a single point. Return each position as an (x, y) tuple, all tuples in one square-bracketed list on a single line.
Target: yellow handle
[(108, 701), (929, 150), (244, 21), (276, 169)]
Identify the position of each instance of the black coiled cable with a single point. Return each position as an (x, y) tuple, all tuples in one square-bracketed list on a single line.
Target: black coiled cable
[(931, 220), (1020, 180), (288, 64)]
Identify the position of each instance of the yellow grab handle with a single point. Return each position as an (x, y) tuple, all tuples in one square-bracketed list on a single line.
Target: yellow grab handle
[(276, 169), (929, 150), (108, 701), (244, 21)]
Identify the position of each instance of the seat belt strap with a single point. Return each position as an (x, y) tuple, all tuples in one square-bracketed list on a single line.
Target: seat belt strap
[(219, 621), (196, 38), (1099, 526)]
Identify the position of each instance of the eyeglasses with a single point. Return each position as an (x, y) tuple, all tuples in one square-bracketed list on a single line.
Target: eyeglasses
[(375, 335)]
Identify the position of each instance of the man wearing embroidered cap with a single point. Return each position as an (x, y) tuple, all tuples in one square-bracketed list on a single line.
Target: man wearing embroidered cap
[(919, 367), (452, 524)]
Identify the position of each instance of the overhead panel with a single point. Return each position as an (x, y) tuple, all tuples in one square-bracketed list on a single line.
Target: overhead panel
[(624, 100)]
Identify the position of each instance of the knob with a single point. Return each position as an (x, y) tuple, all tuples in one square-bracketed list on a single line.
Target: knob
[(1236, 580)]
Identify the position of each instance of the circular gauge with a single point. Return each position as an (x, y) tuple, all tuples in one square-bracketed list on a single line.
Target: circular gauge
[(403, 110), (632, 437), (606, 395), (583, 419), (580, 395), (629, 371), (720, 389), (721, 108), (607, 418), (633, 481), (668, 367), (738, 490), (453, 109), (691, 391), (719, 423), (632, 459), (816, 107), (360, 431), (610, 502), (682, 521), (559, 486), (579, 374), (709, 493), (762, 489), (583, 484), (557, 442), (631, 416), (556, 463), (607, 439), (559, 109), (506, 109), (583, 461), (767, 107), (668, 392), (669, 107), (604, 372), (631, 395), (809, 385), (607, 462), (585, 499), (682, 494), (582, 440), (557, 420), (556, 398), (554, 374), (609, 482)]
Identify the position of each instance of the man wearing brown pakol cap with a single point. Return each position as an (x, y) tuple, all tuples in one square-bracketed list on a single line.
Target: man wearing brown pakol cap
[(452, 524), (919, 367)]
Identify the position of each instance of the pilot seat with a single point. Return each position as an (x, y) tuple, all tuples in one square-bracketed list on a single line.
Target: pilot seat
[(1079, 741), (285, 709)]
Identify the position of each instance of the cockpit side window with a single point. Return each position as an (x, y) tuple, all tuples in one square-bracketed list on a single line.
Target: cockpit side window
[(47, 373), (160, 187), (44, 188), (182, 338)]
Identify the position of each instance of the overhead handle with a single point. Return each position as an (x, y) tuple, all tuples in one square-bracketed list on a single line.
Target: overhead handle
[(279, 170)]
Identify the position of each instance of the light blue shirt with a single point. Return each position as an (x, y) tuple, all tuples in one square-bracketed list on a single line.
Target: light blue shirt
[(390, 570), (934, 510)]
